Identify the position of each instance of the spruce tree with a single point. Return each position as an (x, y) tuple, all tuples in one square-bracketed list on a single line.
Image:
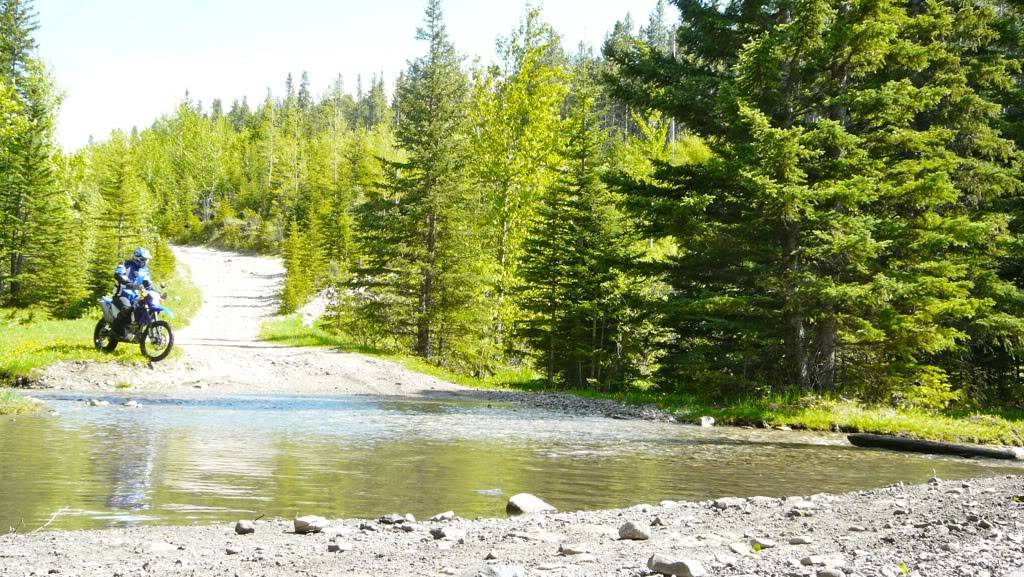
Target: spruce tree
[(575, 290), (845, 226), (423, 248), (123, 221), (34, 212)]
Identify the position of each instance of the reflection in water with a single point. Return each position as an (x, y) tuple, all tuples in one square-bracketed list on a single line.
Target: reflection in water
[(187, 460)]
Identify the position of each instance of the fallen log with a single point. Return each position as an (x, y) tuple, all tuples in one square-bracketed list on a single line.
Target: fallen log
[(931, 447)]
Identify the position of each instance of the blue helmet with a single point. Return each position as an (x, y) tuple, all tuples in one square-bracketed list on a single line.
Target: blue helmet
[(141, 257)]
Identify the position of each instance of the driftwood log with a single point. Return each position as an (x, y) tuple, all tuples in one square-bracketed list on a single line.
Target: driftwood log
[(931, 447)]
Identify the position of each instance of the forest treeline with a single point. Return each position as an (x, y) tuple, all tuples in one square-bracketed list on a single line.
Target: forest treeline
[(814, 195)]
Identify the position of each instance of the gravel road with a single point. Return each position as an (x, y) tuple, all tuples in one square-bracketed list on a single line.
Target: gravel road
[(942, 529), (222, 352)]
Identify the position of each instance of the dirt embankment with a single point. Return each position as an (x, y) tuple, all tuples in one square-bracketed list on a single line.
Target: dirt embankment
[(943, 529)]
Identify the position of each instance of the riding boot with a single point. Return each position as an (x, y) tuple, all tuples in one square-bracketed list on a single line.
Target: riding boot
[(121, 323)]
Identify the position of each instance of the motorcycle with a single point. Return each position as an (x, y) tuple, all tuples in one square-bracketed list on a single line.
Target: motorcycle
[(154, 335)]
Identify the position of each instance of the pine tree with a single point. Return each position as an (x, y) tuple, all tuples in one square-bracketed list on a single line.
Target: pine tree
[(17, 44), (123, 221), (423, 246), (34, 212), (846, 217), (575, 287), (298, 286), (44, 258)]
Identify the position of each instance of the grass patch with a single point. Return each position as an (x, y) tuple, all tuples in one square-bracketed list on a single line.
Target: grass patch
[(13, 404), (31, 341), (288, 330), (839, 415), (794, 411)]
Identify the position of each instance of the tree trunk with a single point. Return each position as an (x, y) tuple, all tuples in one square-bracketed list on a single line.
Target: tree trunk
[(427, 291), (823, 365), (796, 358)]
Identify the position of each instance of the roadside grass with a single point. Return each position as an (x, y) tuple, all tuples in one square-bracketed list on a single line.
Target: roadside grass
[(32, 341), (796, 411), (288, 330), (802, 412), (13, 404)]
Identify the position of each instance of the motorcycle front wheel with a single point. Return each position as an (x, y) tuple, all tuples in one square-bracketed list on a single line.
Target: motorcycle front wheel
[(103, 336), (157, 341)]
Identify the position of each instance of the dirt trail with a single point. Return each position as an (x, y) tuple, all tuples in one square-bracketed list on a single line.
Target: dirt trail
[(222, 351)]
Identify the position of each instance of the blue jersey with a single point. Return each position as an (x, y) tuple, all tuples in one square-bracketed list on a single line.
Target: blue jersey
[(131, 273)]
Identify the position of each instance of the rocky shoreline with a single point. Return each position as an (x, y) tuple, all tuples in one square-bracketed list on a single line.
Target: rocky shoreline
[(562, 402), (944, 529)]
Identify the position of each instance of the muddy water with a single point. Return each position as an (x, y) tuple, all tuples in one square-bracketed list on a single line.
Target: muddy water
[(186, 460)]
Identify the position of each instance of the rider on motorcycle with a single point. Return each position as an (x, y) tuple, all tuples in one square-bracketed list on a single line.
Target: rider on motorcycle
[(130, 276)]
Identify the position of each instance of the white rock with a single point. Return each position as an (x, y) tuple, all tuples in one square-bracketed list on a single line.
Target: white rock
[(740, 548), (679, 567), (707, 421), (446, 516), (801, 540), (448, 533), (159, 547), (540, 536), (310, 524), (630, 530), (727, 502), (525, 503), (340, 547), (727, 560), (496, 571), (574, 549), (245, 527)]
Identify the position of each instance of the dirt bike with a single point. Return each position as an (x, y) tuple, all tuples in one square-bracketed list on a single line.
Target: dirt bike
[(154, 336)]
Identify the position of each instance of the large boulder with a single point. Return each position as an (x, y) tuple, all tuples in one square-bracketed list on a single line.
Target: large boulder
[(631, 530), (495, 571), (245, 527), (679, 567), (525, 504), (446, 516), (310, 524)]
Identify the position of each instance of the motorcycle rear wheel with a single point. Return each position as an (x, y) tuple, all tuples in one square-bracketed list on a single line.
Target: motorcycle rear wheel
[(157, 341), (103, 336)]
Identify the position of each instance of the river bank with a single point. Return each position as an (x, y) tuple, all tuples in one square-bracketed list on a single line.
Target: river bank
[(808, 412), (944, 528)]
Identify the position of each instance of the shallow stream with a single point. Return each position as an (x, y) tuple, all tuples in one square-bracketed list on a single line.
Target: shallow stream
[(182, 460)]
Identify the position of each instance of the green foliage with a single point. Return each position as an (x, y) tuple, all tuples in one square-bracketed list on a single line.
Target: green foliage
[(13, 404), (34, 213), (515, 134), (583, 308), (847, 230), (290, 330), (420, 230)]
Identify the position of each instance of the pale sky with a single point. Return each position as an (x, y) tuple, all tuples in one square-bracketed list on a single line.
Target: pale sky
[(123, 63)]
